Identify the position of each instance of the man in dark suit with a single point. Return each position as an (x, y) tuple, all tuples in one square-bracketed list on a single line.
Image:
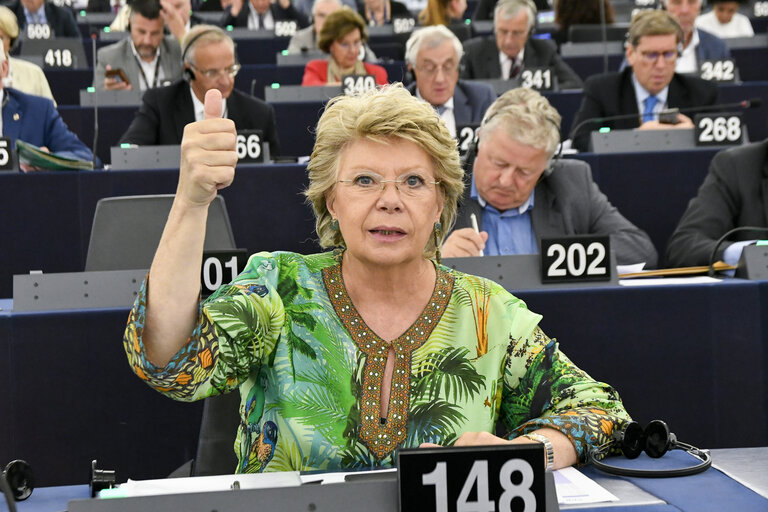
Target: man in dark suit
[(511, 49), (35, 120), (262, 14), (520, 194), (734, 193), (645, 88), (209, 62), (433, 55), (39, 12)]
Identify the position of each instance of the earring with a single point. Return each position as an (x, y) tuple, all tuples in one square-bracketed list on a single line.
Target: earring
[(438, 232), (334, 224)]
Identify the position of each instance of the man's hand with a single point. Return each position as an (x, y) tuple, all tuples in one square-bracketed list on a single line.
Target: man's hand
[(113, 84), (174, 19), (464, 242), (237, 6), (31, 168), (683, 121), (208, 155), (285, 4)]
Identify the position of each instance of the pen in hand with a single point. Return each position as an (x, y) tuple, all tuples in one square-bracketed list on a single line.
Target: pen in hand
[(473, 218)]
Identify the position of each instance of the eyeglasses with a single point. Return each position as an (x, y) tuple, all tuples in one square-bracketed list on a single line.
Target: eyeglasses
[(211, 74), (652, 57), (409, 184), (430, 68), (350, 46)]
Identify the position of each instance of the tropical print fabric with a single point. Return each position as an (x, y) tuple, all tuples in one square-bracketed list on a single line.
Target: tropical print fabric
[(309, 370)]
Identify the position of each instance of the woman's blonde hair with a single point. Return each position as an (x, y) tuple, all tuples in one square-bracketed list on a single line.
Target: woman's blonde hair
[(391, 112)]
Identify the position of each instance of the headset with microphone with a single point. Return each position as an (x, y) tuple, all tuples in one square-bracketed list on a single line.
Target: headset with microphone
[(189, 73), (655, 440)]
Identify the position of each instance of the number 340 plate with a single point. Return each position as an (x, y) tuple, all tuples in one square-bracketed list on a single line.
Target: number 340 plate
[(575, 258), (503, 478)]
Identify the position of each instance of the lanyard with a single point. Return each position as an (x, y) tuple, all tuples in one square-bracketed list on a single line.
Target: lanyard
[(156, 81)]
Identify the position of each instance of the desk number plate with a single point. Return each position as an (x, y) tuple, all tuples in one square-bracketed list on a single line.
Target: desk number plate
[(575, 258), (479, 478), (221, 267)]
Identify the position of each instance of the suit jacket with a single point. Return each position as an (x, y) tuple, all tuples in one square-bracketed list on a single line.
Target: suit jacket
[(120, 55), (278, 13), (613, 94), (711, 47), (165, 111), (734, 193), (60, 19), (568, 202), (481, 60), (316, 72), (35, 120), (470, 101)]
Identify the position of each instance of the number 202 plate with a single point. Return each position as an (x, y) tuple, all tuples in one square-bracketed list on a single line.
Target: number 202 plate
[(576, 258), (506, 478)]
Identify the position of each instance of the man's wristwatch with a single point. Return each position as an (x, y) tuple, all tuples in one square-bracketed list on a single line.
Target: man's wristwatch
[(549, 456)]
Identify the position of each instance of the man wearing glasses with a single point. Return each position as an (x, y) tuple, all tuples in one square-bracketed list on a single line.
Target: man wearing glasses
[(433, 55), (520, 192), (646, 87), (512, 49), (209, 63)]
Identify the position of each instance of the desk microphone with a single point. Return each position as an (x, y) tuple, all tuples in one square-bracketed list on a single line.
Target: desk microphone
[(725, 237), (94, 35), (741, 105)]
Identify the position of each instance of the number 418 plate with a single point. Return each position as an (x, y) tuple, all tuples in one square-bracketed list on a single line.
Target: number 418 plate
[(478, 478)]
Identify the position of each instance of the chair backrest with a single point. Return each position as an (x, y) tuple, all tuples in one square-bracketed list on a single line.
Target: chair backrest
[(126, 231), (215, 445)]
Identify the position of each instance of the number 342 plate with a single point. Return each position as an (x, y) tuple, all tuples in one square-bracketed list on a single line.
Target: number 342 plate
[(478, 478)]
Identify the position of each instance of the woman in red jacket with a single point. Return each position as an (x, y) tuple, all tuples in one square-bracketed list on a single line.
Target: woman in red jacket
[(342, 37)]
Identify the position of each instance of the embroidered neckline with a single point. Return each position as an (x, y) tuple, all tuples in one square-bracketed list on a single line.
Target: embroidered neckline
[(382, 438)]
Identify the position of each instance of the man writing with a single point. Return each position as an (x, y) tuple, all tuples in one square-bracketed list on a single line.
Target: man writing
[(646, 87), (512, 49), (518, 194), (148, 58), (433, 55), (209, 63)]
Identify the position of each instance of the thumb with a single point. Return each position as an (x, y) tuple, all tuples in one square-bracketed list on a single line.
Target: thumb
[(213, 104)]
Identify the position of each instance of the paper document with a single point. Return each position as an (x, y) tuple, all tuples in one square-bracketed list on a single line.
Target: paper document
[(573, 488), (666, 281), (133, 488)]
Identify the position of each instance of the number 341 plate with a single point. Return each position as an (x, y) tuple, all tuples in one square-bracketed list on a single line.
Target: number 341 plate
[(502, 478)]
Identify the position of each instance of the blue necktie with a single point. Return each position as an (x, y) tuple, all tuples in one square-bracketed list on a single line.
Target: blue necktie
[(440, 109), (650, 103)]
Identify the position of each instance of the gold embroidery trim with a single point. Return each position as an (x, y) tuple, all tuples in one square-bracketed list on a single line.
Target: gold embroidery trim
[(380, 439)]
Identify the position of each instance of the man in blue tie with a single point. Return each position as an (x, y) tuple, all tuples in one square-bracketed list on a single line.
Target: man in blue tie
[(646, 87)]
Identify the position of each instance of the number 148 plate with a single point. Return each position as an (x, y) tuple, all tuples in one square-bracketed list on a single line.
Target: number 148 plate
[(502, 478)]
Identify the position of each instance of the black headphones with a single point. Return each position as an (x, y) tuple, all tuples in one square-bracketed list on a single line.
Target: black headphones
[(655, 440), (189, 74), (16, 482)]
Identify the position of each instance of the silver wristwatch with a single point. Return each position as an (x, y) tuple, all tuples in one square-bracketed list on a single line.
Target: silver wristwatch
[(549, 456)]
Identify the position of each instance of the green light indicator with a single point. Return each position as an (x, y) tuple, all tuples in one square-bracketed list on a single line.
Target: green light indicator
[(107, 30), (275, 85), (125, 145), (604, 129), (91, 89), (229, 28)]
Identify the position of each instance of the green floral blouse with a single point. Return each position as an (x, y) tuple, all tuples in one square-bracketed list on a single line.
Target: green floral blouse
[(309, 370)]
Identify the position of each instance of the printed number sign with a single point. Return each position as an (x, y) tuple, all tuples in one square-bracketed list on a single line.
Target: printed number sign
[(248, 146), (357, 84), (718, 129), (38, 31), (575, 258), (473, 479), (6, 162), (58, 58), (761, 9), (718, 70), (221, 267), (403, 25), (285, 28), (540, 79), (467, 135)]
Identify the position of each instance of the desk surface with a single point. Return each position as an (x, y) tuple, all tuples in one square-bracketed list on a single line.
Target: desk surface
[(748, 467)]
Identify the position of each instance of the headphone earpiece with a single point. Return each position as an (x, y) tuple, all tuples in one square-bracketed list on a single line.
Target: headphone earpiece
[(189, 74)]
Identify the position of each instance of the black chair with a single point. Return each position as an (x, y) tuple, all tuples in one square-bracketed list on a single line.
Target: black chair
[(126, 231), (593, 33), (215, 446)]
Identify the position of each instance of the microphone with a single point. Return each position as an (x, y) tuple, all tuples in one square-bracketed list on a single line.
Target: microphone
[(741, 105), (723, 238), (94, 35)]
